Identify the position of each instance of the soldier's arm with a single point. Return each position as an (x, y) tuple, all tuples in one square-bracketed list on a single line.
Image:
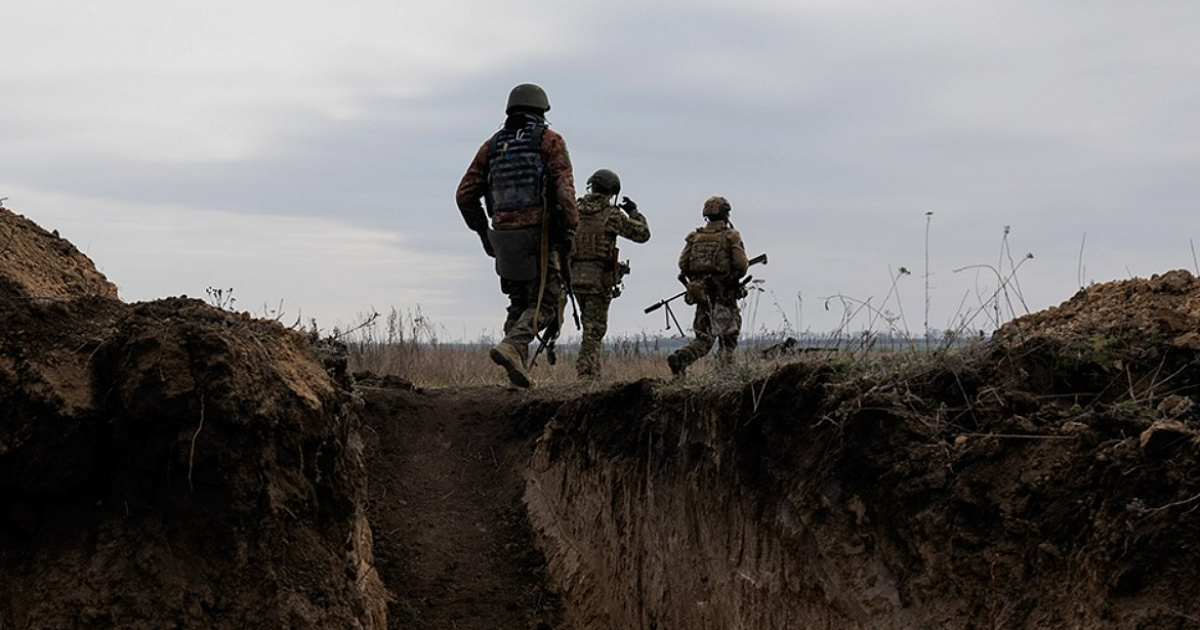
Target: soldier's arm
[(471, 189), (738, 263), (633, 227), (558, 160), (683, 258)]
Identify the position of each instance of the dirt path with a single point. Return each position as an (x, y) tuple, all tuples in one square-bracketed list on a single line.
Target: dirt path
[(452, 541)]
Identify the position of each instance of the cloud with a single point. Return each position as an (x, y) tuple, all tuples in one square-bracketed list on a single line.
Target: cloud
[(220, 80), (305, 267), (833, 127)]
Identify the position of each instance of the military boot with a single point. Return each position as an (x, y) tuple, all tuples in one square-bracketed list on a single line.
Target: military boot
[(677, 364), (509, 357)]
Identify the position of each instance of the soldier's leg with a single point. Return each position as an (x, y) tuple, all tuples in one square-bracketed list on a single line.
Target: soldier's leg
[(525, 319), (697, 347), (725, 351), (595, 325), (517, 293), (529, 319), (729, 340)]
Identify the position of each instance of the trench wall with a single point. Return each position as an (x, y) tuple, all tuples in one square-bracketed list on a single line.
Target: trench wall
[(809, 500), (652, 516)]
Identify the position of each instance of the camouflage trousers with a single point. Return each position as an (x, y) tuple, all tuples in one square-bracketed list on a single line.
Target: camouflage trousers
[(715, 322), (593, 315), (519, 325)]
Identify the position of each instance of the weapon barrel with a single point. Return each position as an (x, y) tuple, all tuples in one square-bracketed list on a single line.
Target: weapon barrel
[(761, 258), (662, 303)]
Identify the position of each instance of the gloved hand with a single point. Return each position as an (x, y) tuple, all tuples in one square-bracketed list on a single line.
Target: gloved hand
[(487, 243), (627, 204)]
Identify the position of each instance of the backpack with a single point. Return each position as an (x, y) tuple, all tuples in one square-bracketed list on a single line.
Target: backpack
[(708, 252)]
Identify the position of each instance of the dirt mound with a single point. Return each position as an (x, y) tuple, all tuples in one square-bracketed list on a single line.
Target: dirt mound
[(39, 265), (1162, 308), (170, 464)]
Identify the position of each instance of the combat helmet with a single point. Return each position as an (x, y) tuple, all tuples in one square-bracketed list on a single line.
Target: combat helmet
[(527, 95), (604, 182), (716, 208)]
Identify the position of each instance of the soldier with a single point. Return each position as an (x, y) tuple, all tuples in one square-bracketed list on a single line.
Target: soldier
[(711, 266), (523, 174), (595, 269)]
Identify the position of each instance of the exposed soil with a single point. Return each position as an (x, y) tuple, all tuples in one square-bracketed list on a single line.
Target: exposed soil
[(1044, 479), (453, 541), (171, 464)]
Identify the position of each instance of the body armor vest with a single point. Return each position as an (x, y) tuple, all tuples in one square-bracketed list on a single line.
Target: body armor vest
[(593, 259), (516, 169), (592, 240), (708, 252)]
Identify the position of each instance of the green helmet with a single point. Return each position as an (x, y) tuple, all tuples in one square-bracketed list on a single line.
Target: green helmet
[(716, 207), (604, 181), (527, 95)]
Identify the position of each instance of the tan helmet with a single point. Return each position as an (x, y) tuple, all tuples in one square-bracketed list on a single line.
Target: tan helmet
[(527, 95), (604, 182), (716, 207)]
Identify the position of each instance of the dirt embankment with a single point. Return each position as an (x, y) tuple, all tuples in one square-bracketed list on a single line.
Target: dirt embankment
[(169, 464), (1045, 479)]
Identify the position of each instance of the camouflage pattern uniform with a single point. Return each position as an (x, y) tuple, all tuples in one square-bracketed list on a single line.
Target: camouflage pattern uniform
[(595, 272), (524, 320), (711, 265)]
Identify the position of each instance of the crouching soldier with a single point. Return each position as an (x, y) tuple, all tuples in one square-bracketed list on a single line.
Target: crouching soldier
[(711, 266), (596, 269)]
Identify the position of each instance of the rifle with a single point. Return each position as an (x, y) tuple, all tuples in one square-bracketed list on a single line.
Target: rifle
[(564, 259), (546, 341), (761, 258)]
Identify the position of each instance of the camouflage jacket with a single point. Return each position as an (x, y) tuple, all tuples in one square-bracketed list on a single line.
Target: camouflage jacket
[(600, 223), (594, 256)]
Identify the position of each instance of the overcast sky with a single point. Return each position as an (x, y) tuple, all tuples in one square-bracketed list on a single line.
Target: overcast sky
[(305, 154)]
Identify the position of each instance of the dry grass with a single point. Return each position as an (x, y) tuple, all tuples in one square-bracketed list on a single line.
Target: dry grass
[(406, 345), (469, 365), (466, 365)]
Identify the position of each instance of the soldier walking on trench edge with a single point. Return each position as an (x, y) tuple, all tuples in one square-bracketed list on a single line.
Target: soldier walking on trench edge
[(523, 175), (596, 269), (711, 266)]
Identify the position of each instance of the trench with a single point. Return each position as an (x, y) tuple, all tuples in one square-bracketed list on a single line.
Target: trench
[(608, 508), (797, 500)]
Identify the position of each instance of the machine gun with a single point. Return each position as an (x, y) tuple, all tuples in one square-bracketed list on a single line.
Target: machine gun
[(761, 258)]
